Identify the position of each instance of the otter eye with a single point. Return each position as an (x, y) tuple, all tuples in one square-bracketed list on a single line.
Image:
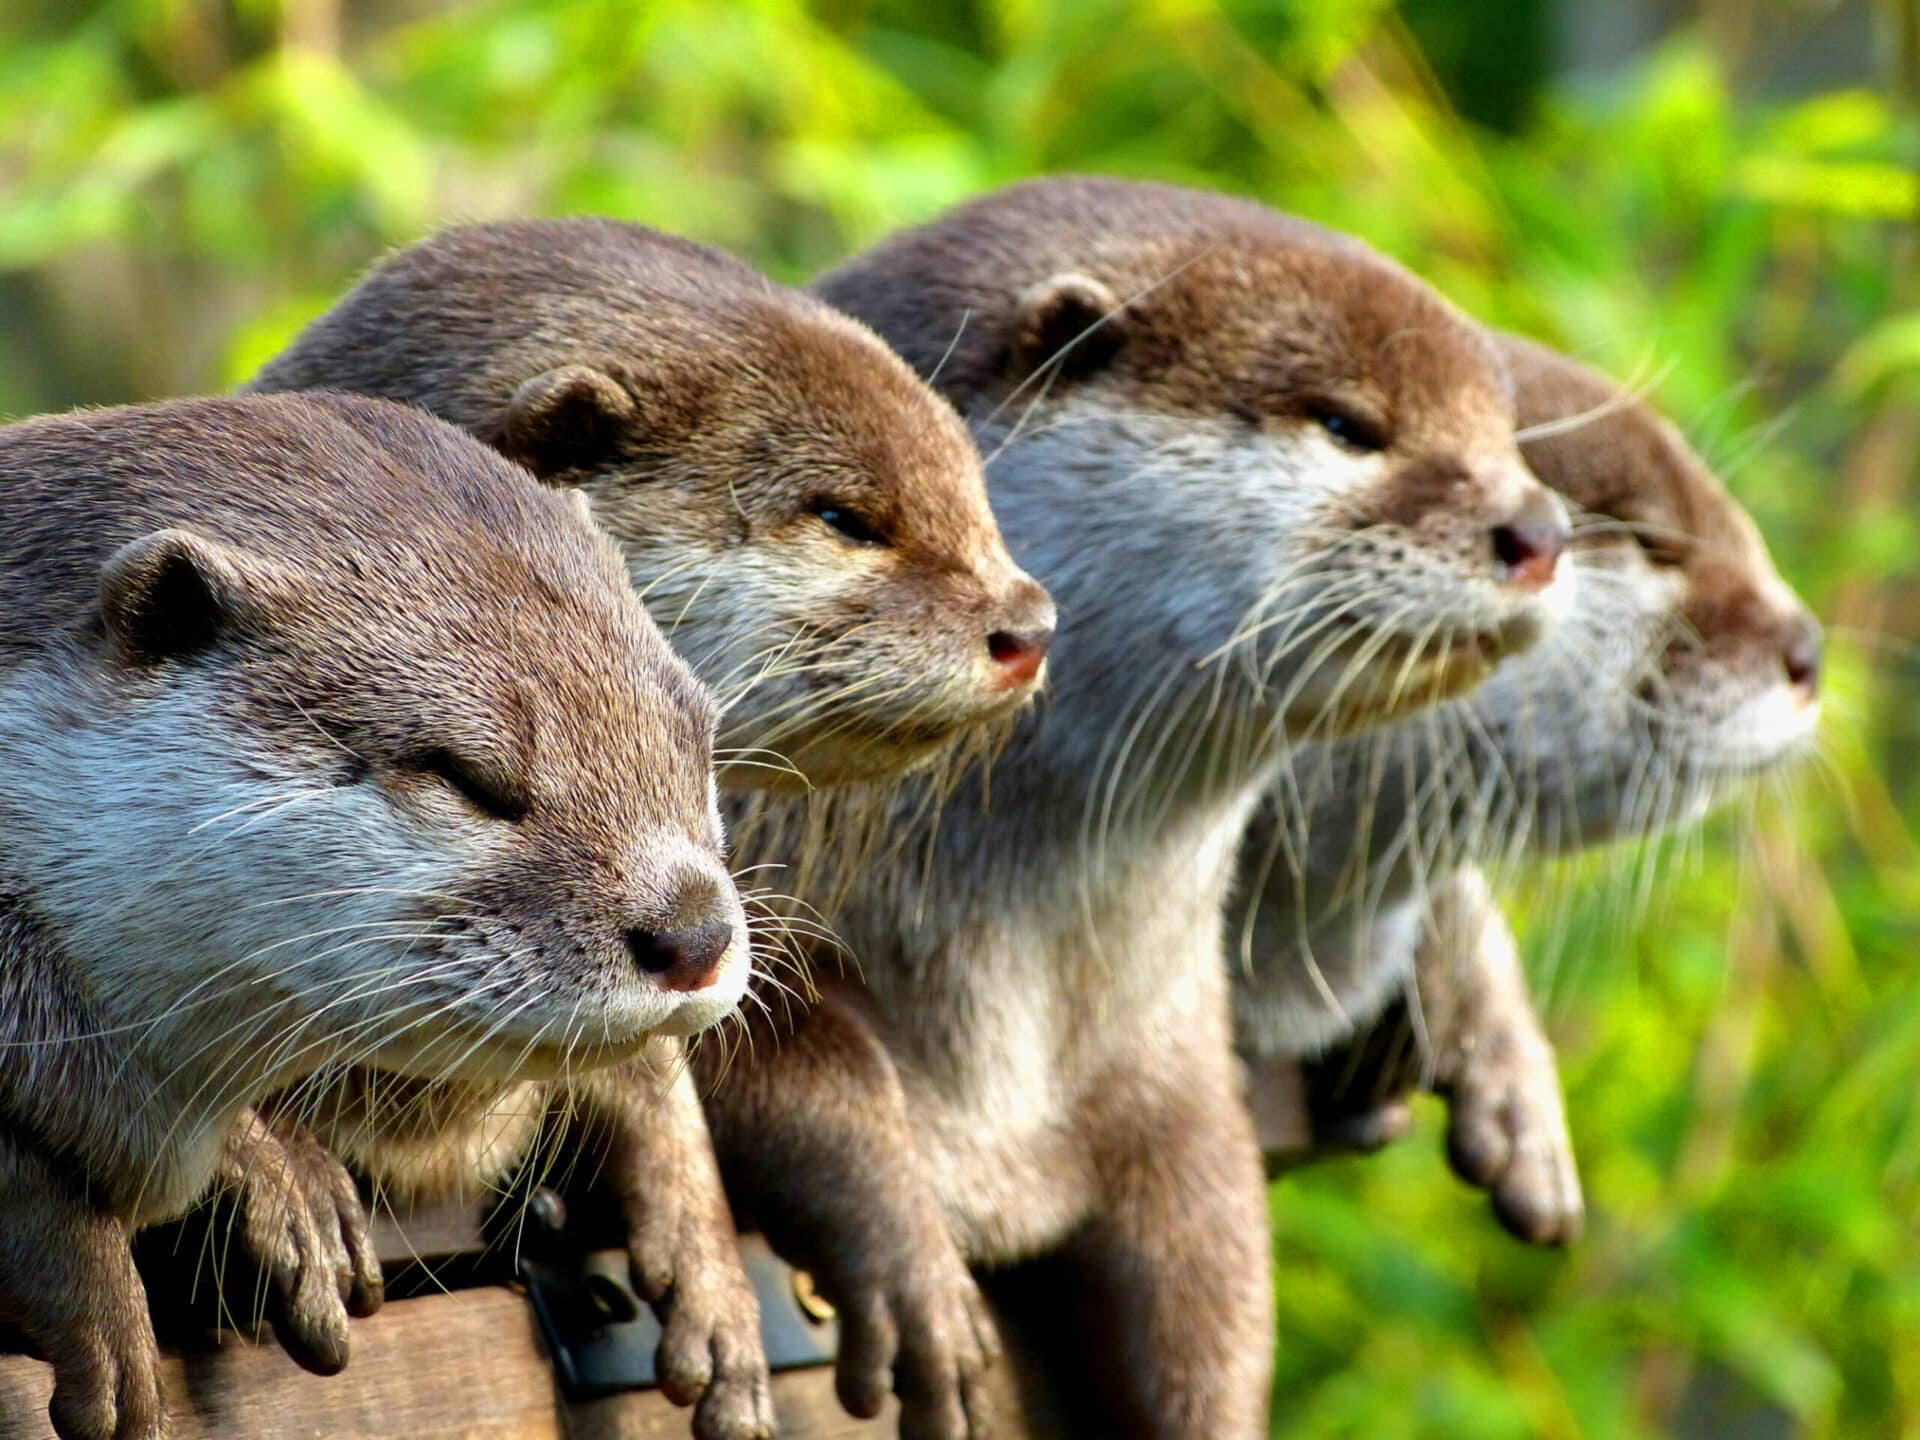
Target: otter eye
[(1351, 430), (848, 522), (1662, 550), (467, 781)]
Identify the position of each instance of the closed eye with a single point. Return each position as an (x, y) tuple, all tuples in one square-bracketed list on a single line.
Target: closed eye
[(467, 780), (848, 523)]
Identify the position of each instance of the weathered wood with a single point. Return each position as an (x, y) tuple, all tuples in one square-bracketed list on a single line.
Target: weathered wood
[(427, 1232), (466, 1366), (803, 1398)]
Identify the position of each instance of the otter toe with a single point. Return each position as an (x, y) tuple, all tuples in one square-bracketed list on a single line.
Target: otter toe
[(868, 1343)]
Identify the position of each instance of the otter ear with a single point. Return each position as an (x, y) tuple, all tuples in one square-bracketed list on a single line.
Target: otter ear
[(563, 420), (1070, 322), (171, 593)]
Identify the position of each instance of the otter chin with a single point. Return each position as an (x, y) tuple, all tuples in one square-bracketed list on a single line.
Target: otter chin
[(1391, 679), (861, 754)]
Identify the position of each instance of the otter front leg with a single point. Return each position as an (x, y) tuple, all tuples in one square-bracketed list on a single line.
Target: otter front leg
[(296, 1216), (815, 1141), (68, 1281), (1177, 1304), (1506, 1122), (655, 1152)]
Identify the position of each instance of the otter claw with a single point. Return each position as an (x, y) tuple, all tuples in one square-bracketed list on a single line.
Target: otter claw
[(299, 1219), (709, 1354), (113, 1394), (1507, 1134), (931, 1344)]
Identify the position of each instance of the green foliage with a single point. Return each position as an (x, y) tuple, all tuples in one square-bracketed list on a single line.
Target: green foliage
[(187, 181)]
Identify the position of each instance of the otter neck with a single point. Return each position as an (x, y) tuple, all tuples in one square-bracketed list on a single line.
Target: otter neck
[(1117, 803)]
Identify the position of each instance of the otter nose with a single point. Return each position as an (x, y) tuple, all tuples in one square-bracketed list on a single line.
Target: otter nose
[(687, 959), (1019, 653), (1800, 655), (1018, 645), (1526, 549)]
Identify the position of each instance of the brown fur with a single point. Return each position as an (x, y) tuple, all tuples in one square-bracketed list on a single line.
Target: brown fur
[(1043, 1041), (712, 417), (360, 590), (1476, 1039)]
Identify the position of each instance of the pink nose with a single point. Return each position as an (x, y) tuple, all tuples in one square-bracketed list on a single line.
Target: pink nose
[(681, 959), (1801, 656), (1527, 548), (1019, 654)]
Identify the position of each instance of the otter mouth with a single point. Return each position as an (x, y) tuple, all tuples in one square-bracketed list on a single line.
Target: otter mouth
[(853, 755), (1745, 741), (860, 749), (1733, 760), (482, 1055), (1403, 675)]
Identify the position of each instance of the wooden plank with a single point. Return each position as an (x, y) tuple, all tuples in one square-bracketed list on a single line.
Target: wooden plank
[(427, 1232), (467, 1366), (803, 1399)]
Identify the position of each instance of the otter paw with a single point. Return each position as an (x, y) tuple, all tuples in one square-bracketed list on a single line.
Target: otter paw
[(340, 1219), (927, 1334), (107, 1387), (1363, 1131), (1507, 1134), (297, 1216), (709, 1354)]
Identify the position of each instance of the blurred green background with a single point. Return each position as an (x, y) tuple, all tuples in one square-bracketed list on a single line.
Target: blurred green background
[(1721, 199)]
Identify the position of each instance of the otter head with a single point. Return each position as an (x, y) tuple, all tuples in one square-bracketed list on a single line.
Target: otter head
[(809, 524), (1249, 446), (805, 519), (383, 759), (1688, 662)]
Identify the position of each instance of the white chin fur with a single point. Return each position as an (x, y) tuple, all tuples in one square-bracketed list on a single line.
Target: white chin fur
[(697, 1010), (1760, 734), (1554, 601)]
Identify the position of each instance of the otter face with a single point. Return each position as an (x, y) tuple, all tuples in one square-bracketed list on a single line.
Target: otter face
[(809, 525), (420, 785), (557, 767), (1688, 664), (1298, 466)]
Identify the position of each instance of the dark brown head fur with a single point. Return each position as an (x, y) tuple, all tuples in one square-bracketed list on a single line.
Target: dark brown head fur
[(1612, 456), (805, 519)]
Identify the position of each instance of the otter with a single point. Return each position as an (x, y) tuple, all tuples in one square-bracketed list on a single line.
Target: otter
[(1686, 668), (805, 520), (1272, 480), (329, 734), (809, 524)]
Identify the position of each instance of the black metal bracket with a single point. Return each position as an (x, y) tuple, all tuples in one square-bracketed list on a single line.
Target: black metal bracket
[(602, 1337)]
